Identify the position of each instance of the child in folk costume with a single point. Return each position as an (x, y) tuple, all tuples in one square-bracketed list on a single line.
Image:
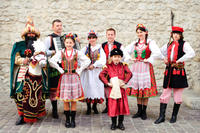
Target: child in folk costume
[(174, 54), (142, 84), (92, 86), (108, 46), (115, 75), (69, 88)]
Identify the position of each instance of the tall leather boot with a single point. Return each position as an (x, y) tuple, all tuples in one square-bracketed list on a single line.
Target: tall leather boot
[(54, 109), (161, 118), (175, 112), (73, 115), (114, 123), (106, 109), (94, 107), (139, 112), (88, 112), (144, 114), (67, 115), (20, 120), (120, 122)]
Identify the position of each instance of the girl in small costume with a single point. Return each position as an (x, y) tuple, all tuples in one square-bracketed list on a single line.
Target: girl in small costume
[(69, 88)]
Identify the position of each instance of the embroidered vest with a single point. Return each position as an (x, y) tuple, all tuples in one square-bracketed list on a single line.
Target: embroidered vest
[(94, 56), (142, 54), (69, 65)]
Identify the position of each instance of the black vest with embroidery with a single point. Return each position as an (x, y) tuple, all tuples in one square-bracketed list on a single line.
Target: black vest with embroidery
[(176, 77)]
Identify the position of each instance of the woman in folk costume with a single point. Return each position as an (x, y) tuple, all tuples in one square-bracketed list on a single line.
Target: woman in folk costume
[(115, 75), (69, 88), (27, 88), (143, 84), (92, 86), (174, 54)]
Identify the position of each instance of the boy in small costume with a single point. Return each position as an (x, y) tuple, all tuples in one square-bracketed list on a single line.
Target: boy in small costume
[(115, 75)]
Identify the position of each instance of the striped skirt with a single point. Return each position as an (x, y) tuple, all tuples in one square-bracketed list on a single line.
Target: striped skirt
[(143, 83), (69, 88)]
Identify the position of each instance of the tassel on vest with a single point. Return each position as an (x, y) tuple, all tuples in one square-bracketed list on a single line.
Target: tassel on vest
[(178, 72), (166, 72), (183, 73), (174, 72)]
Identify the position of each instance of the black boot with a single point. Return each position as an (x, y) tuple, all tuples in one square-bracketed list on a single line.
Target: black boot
[(106, 109), (73, 115), (67, 115), (88, 112), (54, 109), (94, 107), (139, 112), (20, 120), (144, 114), (120, 122), (114, 123), (175, 113), (161, 118)]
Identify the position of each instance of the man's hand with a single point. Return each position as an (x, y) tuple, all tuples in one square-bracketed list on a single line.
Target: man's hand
[(53, 52), (26, 61)]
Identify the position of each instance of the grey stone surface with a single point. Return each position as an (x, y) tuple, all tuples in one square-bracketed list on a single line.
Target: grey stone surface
[(188, 119)]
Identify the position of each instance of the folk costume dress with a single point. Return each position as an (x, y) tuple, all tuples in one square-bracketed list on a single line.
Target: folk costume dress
[(107, 49), (143, 83), (175, 75), (29, 91), (69, 88), (117, 106), (92, 86)]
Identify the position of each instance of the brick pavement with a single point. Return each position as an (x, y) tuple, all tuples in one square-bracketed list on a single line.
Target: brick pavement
[(188, 120)]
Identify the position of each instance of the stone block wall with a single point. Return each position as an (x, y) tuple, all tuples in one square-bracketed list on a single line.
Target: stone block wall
[(80, 16)]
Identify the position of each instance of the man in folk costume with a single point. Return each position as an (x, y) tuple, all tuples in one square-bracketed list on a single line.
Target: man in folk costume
[(175, 54), (108, 47), (53, 74), (20, 58), (119, 74)]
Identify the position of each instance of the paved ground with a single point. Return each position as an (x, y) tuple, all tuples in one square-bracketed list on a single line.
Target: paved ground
[(188, 120)]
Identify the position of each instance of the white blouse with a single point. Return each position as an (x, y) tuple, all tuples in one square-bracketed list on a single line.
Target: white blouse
[(189, 52), (102, 60), (82, 58), (155, 51)]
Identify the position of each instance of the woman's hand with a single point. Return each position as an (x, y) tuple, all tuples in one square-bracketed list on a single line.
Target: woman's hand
[(145, 60), (166, 61), (133, 59), (91, 67), (122, 84), (110, 85)]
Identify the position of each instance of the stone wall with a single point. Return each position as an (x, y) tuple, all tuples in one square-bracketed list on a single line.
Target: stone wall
[(79, 16)]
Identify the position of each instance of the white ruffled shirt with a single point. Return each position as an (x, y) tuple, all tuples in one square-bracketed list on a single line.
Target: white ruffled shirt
[(155, 51), (189, 52)]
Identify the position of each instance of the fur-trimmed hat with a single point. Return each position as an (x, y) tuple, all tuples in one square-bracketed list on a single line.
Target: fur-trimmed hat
[(29, 28), (116, 51)]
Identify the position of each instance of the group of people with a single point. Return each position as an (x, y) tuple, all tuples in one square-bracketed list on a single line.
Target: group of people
[(95, 73)]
